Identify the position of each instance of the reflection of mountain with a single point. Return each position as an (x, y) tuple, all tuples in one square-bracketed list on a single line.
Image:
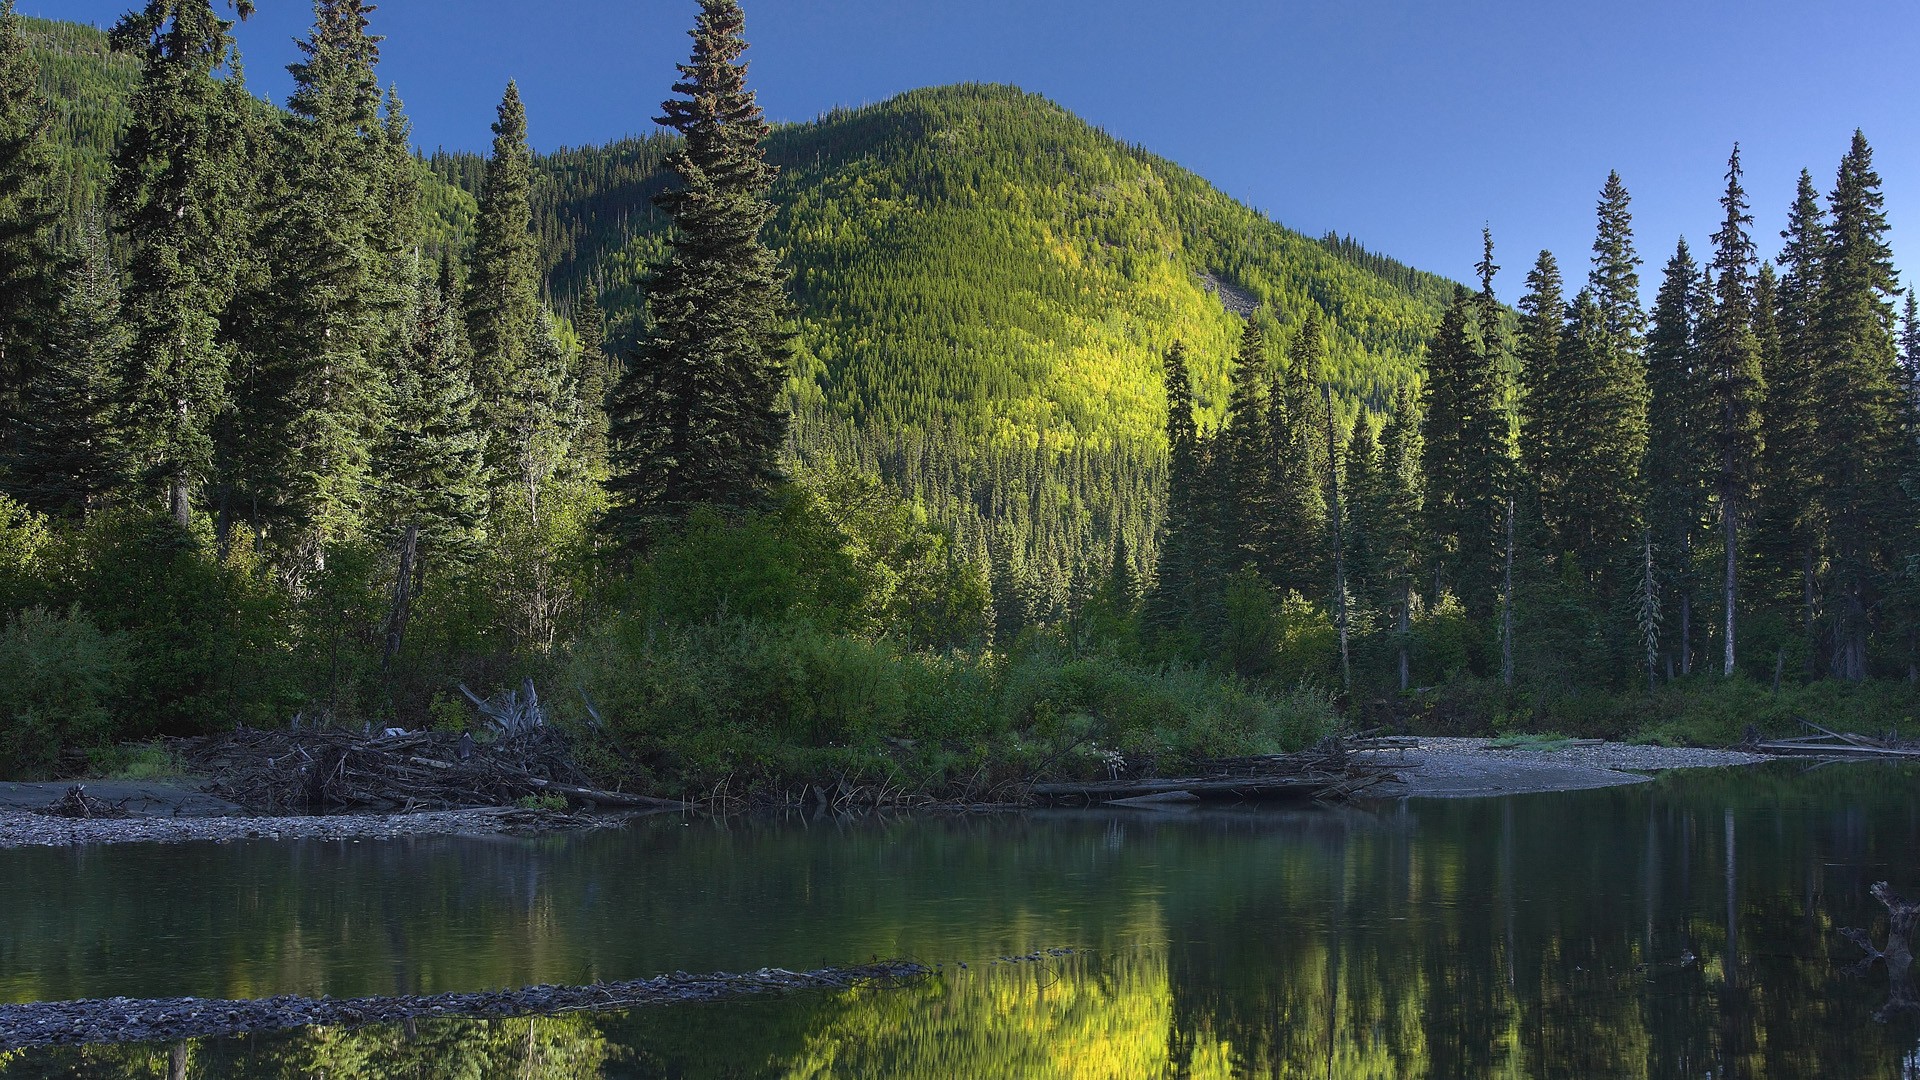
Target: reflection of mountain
[(1563, 936)]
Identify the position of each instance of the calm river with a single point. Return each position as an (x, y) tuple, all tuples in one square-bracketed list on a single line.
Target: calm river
[(1685, 928)]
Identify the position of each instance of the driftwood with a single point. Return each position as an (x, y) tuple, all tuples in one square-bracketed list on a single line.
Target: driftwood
[(279, 772), (1833, 744), (1902, 916), (76, 803), (1333, 770)]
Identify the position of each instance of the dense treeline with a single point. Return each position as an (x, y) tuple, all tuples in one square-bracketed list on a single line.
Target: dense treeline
[(930, 440), (289, 434), (1589, 496)]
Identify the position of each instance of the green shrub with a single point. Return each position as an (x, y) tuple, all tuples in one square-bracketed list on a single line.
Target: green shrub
[(686, 706), (207, 637), (60, 679)]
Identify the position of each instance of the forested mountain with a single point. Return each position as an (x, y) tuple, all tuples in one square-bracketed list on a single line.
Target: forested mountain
[(948, 417), (985, 286)]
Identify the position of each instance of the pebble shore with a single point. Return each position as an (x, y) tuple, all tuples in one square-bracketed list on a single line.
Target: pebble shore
[(21, 829)]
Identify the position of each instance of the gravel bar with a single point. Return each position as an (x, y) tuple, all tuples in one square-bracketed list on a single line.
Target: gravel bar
[(129, 1020), (19, 829), (1471, 768)]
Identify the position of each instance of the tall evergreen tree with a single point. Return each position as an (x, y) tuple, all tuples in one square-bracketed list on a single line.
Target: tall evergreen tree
[(1594, 512), (327, 287), (1250, 472), (503, 278), (1467, 439), (1615, 278), (430, 460), (1790, 529), (29, 294), (1676, 469), (178, 199), (1543, 312), (1395, 516), (66, 460), (1854, 393), (697, 418), (1733, 388), (1298, 456), (1182, 548)]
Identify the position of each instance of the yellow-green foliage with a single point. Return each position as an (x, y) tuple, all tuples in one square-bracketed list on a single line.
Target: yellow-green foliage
[(976, 256)]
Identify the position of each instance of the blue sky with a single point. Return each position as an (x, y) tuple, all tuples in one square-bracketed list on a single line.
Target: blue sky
[(1407, 124)]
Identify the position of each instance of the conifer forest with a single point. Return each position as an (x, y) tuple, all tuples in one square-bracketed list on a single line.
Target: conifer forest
[(942, 438)]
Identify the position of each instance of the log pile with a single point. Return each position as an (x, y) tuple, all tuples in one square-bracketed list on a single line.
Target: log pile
[(316, 771), (1334, 770)]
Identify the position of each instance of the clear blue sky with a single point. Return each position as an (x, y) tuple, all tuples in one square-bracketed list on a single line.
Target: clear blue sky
[(1407, 124)]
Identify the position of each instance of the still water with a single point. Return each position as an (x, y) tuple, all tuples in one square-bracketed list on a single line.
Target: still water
[(1685, 928)]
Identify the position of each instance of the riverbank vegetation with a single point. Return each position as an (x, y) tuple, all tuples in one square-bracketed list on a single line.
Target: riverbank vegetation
[(301, 427)]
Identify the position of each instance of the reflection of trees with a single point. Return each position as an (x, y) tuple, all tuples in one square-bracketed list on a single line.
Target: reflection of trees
[(1681, 928)]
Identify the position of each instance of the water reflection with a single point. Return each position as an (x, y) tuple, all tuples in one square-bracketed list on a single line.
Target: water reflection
[(1685, 929)]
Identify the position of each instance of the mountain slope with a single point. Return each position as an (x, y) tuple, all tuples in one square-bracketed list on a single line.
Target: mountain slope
[(979, 257)]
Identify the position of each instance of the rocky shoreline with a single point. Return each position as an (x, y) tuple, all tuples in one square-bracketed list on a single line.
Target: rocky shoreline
[(128, 1020), (1426, 767), (23, 828)]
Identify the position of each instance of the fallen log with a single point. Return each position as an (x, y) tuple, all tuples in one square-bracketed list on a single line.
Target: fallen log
[(606, 798), (1832, 749)]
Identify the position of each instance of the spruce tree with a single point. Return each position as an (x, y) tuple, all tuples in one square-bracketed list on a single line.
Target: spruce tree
[(1676, 467), (1854, 392), (1594, 512), (1468, 439), (1250, 470), (1180, 571), (503, 279), (1615, 278), (1543, 311), (1448, 398), (326, 286), (697, 417), (430, 460), (1790, 528), (180, 179), (66, 461), (1298, 439), (29, 263), (1396, 517), (1732, 386)]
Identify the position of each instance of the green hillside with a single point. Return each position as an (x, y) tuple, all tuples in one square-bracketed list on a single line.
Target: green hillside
[(88, 86), (979, 257)]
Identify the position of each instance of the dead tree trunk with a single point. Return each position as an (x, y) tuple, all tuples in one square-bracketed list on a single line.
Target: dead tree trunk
[(1506, 607), (1406, 628), (402, 596)]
